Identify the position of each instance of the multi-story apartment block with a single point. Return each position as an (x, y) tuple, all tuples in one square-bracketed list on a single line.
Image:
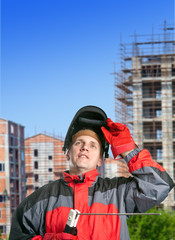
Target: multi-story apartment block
[(12, 171), (145, 96), (45, 160)]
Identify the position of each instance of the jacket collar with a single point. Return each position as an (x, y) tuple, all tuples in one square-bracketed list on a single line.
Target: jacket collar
[(89, 176)]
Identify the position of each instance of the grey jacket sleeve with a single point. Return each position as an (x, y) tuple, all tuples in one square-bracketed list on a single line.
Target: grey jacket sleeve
[(151, 183)]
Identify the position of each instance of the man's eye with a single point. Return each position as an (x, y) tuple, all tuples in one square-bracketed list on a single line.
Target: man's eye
[(93, 146), (77, 143)]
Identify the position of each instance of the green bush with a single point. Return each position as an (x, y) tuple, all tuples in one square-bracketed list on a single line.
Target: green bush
[(153, 227)]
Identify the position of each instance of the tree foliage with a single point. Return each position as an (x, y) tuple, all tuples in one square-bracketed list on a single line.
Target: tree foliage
[(153, 227)]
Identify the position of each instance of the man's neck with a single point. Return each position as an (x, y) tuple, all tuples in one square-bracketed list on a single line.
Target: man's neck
[(79, 171), (76, 172)]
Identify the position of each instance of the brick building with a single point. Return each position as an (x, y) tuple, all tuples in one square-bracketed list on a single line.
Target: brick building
[(45, 160), (12, 171)]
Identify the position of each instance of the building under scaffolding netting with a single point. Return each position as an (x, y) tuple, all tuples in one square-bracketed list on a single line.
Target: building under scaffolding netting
[(145, 95)]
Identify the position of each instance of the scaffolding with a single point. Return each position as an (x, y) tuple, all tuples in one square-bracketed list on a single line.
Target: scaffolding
[(145, 95)]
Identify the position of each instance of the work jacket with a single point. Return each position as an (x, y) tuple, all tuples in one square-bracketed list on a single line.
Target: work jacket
[(45, 212)]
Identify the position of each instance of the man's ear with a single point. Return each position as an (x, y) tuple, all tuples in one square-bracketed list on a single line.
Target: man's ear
[(68, 155), (100, 161)]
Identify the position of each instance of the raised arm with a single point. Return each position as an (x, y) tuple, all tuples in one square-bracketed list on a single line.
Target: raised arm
[(151, 183)]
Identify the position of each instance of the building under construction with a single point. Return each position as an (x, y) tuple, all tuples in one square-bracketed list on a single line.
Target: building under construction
[(145, 95)]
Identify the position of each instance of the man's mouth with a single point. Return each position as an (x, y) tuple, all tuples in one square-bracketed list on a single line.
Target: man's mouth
[(82, 156)]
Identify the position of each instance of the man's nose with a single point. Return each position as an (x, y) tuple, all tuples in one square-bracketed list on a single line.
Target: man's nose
[(84, 146)]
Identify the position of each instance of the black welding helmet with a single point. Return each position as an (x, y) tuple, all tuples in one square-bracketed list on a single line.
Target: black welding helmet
[(88, 117)]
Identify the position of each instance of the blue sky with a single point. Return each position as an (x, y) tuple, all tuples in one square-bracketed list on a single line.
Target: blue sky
[(57, 56)]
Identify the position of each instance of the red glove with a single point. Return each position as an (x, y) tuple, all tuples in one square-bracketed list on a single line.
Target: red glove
[(119, 137), (59, 236)]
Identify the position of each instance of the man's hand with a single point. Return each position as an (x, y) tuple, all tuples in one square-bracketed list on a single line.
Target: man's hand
[(119, 137), (119, 169)]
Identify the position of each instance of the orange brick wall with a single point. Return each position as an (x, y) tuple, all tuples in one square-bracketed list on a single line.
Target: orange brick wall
[(2, 154), (2, 141), (59, 159), (3, 214), (3, 182), (3, 128)]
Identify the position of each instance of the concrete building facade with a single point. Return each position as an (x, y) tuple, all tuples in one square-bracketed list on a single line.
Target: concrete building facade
[(12, 171), (145, 96), (45, 160)]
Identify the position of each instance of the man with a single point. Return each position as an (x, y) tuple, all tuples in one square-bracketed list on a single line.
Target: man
[(43, 215)]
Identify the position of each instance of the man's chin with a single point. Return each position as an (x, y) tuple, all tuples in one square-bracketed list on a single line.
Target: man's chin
[(82, 166)]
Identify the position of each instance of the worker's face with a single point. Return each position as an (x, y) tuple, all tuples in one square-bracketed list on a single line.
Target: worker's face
[(84, 155)]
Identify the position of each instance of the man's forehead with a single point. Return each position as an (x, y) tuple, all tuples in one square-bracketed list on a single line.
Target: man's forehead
[(86, 133), (86, 138)]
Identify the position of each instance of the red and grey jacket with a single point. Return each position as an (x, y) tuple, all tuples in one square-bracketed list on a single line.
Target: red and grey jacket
[(46, 210)]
